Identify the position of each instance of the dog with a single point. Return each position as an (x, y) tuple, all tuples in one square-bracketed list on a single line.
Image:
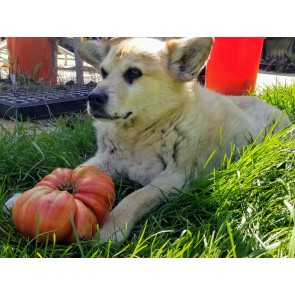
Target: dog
[(158, 126)]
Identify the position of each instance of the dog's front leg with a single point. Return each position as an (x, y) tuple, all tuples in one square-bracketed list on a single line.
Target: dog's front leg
[(102, 163), (132, 208)]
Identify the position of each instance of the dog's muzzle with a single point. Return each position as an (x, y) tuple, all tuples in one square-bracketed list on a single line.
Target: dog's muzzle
[(97, 101)]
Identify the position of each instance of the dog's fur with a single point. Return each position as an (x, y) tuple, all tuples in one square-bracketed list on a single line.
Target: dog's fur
[(161, 127), (156, 125)]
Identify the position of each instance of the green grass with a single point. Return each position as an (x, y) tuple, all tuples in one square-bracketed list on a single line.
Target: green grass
[(243, 209)]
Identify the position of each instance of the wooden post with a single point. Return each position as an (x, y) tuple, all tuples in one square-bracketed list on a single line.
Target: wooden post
[(53, 58), (79, 62)]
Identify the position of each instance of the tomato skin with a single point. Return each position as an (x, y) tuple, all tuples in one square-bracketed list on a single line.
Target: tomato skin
[(85, 222), (41, 210), (88, 182), (86, 192), (56, 178)]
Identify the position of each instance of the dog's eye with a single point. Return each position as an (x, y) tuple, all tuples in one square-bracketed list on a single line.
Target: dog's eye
[(103, 73), (131, 74)]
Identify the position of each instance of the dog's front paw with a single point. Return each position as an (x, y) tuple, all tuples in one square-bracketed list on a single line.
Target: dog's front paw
[(10, 202), (114, 232), (116, 228)]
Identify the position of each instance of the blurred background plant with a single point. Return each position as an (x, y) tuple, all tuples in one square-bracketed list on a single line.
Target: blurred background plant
[(278, 55)]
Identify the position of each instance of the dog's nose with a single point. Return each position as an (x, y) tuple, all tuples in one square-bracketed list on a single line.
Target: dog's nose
[(97, 98)]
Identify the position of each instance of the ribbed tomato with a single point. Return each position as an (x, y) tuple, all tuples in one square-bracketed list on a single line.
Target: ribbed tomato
[(86, 192)]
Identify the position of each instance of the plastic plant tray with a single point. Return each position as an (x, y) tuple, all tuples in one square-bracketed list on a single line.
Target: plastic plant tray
[(43, 101)]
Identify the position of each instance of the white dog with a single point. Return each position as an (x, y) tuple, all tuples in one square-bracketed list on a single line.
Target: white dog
[(156, 125)]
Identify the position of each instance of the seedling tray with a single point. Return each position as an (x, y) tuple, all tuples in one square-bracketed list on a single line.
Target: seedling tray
[(43, 101)]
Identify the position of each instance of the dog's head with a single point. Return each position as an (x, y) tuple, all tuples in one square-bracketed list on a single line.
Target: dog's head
[(142, 76)]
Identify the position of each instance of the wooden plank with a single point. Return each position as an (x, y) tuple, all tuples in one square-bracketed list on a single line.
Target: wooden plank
[(3, 44), (79, 62), (67, 41)]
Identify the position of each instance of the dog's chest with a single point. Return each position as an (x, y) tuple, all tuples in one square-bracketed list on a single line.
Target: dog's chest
[(135, 160), (140, 158)]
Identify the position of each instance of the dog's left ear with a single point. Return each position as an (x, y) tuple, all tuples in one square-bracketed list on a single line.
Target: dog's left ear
[(187, 56)]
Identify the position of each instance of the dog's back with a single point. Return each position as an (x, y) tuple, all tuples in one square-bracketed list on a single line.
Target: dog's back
[(265, 114)]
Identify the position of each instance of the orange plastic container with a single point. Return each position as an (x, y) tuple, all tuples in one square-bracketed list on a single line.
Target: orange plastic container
[(35, 57), (233, 65)]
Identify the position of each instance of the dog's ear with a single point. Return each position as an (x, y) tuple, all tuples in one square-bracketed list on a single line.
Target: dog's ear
[(187, 56), (93, 52)]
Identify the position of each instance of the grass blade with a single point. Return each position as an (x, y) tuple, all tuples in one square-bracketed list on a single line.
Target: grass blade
[(76, 235), (291, 253)]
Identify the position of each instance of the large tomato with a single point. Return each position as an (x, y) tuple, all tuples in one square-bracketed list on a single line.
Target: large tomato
[(86, 192)]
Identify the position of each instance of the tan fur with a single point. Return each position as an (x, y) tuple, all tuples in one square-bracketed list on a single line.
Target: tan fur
[(175, 124)]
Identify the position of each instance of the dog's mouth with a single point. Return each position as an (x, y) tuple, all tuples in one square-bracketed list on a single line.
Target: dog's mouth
[(102, 115)]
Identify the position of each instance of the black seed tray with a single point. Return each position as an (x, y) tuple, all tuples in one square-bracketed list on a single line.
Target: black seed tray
[(43, 101)]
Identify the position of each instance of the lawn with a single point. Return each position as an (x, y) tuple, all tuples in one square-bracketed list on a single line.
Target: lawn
[(243, 209)]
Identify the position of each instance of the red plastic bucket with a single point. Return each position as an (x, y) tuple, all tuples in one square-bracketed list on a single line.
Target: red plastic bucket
[(34, 57), (233, 65)]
